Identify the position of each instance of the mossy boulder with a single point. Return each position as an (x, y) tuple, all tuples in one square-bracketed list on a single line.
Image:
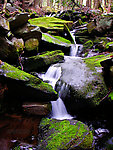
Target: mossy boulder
[(50, 23), (31, 47), (66, 134), (85, 82), (43, 61), (53, 42), (24, 87), (8, 51)]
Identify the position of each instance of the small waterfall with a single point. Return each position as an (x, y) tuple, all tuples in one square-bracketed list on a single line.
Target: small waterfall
[(58, 108), (75, 49)]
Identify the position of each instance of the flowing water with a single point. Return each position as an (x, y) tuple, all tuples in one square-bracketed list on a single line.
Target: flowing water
[(51, 76), (58, 108)]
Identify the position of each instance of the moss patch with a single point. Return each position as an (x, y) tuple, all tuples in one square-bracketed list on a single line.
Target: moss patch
[(66, 134), (94, 61), (30, 80), (35, 63), (49, 22), (55, 39)]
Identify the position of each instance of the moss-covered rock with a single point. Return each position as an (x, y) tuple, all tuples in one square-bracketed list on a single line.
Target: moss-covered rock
[(85, 82), (31, 47), (42, 61), (53, 42), (23, 86), (66, 134), (50, 23)]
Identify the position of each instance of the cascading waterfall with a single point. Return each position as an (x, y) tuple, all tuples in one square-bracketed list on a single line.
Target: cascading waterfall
[(75, 49), (58, 108)]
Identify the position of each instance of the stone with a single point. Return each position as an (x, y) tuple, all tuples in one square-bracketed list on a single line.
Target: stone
[(36, 108), (52, 42), (28, 31), (4, 26), (31, 47), (8, 52), (43, 61), (84, 81), (24, 87), (18, 43), (66, 134), (18, 21)]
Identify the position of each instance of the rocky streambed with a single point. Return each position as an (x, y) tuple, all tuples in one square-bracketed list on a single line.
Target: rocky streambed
[(29, 46)]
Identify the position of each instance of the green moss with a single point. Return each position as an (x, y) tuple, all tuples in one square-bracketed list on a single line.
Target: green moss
[(87, 45), (108, 44), (49, 22), (55, 39), (30, 80), (66, 135), (31, 44), (94, 61), (111, 95)]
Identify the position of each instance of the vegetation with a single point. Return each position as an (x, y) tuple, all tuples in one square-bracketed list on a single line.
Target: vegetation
[(66, 134)]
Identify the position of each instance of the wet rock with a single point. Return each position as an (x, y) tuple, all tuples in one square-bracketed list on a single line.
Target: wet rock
[(54, 42), (86, 85), (28, 31), (50, 23), (24, 87), (18, 20), (43, 61), (37, 108), (18, 43), (101, 25), (31, 47), (4, 26), (8, 52), (66, 134)]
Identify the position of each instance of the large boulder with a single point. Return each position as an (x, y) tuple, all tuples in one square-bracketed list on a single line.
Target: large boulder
[(100, 26), (28, 31), (18, 21), (52, 42), (43, 61), (66, 134), (50, 23), (83, 81), (8, 51), (23, 86)]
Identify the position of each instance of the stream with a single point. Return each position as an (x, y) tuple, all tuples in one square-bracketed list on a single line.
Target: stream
[(19, 130)]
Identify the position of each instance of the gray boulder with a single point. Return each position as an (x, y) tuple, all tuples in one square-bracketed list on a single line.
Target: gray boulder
[(84, 84)]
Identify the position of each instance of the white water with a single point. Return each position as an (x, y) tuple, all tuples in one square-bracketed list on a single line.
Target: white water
[(75, 49), (58, 108)]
